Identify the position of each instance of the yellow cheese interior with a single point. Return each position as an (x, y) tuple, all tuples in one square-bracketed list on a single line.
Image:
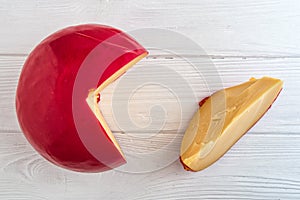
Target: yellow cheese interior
[(93, 95), (224, 118)]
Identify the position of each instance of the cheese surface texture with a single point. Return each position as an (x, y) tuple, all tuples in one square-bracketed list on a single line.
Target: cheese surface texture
[(225, 117)]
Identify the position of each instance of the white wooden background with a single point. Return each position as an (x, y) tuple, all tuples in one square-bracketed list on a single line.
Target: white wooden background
[(243, 37)]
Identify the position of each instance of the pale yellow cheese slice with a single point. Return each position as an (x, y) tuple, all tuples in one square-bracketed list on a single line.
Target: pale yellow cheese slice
[(224, 118)]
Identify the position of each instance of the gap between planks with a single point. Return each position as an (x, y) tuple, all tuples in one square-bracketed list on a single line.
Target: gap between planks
[(161, 56)]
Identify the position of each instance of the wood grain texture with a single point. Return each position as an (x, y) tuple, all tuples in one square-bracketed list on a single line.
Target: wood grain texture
[(245, 28), (232, 71), (258, 167), (262, 165), (242, 39)]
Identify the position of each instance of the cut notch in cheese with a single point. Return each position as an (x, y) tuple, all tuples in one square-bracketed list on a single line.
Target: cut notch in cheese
[(224, 118), (93, 96)]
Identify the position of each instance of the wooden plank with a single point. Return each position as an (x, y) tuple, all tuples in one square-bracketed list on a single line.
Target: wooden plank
[(282, 118), (257, 167), (236, 28)]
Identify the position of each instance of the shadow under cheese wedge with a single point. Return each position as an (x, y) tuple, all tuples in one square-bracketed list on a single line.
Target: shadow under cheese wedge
[(224, 118)]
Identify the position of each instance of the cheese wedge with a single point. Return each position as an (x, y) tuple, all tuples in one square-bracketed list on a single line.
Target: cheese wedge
[(224, 118)]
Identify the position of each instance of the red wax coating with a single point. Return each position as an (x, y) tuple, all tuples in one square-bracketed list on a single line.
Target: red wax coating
[(48, 102), (203, 101)]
